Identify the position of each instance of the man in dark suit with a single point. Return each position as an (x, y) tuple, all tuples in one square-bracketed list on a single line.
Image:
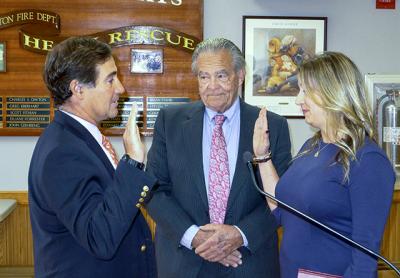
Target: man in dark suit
[(197, 157), (84, 204)]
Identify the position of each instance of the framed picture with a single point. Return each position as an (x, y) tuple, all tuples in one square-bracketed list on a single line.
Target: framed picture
[(3, 57), (274, 48), (378, 84), (147, 61), (382, 88)]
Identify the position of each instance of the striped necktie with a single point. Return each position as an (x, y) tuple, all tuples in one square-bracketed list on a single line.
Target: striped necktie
[(107, 145)]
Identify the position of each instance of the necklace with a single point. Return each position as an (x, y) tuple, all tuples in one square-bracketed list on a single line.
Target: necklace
[(320, 149)]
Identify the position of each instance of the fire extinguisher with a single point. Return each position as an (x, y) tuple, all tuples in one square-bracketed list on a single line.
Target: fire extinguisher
[(390, 139)]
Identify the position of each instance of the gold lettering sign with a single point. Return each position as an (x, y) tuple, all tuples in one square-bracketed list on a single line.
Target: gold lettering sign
[(38, 40), (130, 35), (20, 17)]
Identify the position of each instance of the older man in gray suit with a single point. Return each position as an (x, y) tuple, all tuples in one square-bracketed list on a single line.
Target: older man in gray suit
[(210, 220)]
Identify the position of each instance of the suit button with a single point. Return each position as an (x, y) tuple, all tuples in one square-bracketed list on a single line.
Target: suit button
[(138, 205), (141, 200), (143, 248), (143, 194), (145, 188)]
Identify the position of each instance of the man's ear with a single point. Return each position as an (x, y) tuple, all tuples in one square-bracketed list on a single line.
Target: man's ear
[(241, 75), (75, 87)]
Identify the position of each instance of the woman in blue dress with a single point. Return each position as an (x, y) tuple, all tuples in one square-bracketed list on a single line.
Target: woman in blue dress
[(340, 176)]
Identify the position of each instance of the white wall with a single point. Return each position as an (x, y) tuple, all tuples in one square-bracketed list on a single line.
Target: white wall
[(370, 37)]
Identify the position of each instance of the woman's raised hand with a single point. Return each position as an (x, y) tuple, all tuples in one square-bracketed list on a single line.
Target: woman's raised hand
[(261, 134)]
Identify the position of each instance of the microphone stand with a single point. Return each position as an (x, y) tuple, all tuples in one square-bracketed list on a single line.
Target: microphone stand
[(319, 224)]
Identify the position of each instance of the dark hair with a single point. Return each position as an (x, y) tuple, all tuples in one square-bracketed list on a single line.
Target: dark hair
[(74, 58), (217, 44)]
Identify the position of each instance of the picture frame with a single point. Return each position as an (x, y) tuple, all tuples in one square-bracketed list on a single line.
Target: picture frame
[(274, 48), (147, 61), (376, 84), (3, 56), (378, 87)]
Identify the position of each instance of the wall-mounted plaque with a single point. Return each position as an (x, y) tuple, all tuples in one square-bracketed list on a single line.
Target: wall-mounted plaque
[(154, 104), (27, 112), (147, 61), (124, 109), (1, 112), (159, 65), (3, 57)]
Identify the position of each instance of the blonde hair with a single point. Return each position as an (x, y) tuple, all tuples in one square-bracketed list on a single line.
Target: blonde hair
[(341, 90)]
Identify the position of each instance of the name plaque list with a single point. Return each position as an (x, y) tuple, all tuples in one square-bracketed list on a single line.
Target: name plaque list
[(27, 112), (124, 109), (154, 104)]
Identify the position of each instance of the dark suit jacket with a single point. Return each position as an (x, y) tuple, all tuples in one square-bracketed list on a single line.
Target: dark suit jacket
[(85, 222), (175, 159)]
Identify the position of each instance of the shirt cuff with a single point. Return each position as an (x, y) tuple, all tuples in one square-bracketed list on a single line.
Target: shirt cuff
[(245, 242), (188, 236)]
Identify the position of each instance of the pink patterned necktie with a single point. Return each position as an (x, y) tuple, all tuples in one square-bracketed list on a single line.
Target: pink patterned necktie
[(218, 177), (107, 145)]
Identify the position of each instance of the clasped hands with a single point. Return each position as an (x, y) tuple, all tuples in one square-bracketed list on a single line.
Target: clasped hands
[(219, 243)]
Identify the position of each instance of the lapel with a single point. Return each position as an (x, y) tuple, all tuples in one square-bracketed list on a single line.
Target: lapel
[(248, 116), (82, 133), (193, 144)]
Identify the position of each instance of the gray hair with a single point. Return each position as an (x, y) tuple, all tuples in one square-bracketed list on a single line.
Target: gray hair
[(215, 45)]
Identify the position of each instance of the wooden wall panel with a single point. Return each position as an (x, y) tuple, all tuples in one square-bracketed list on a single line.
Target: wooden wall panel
[(391, 239), (16, 239), (387, 274), (15, 233), (24, 68)]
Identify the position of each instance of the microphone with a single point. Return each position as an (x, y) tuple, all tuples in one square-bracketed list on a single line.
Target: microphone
[(248, 159)]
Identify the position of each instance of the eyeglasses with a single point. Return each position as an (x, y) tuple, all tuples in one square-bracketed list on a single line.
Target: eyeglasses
[(221, 77)]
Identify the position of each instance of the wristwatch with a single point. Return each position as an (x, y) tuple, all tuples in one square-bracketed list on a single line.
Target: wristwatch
[(132, 162)]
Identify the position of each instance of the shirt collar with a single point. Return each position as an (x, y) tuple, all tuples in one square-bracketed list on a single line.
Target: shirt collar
[(93, 129), (229, 114)]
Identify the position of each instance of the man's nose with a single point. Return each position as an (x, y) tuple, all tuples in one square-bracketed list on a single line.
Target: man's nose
[(119, 88), (213, 83)]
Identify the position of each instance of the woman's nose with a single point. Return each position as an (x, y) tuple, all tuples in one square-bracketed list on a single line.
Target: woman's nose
[(300, 98)]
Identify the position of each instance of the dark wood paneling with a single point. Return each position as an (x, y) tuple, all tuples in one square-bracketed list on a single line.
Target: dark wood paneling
[(24, 68)]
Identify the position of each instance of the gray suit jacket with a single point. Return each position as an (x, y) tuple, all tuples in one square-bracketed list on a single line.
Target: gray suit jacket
[(175, 159)]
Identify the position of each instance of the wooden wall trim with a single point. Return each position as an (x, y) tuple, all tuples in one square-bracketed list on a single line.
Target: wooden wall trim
[(22, 199), (396, 196), (383, 266), (20, 196)]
